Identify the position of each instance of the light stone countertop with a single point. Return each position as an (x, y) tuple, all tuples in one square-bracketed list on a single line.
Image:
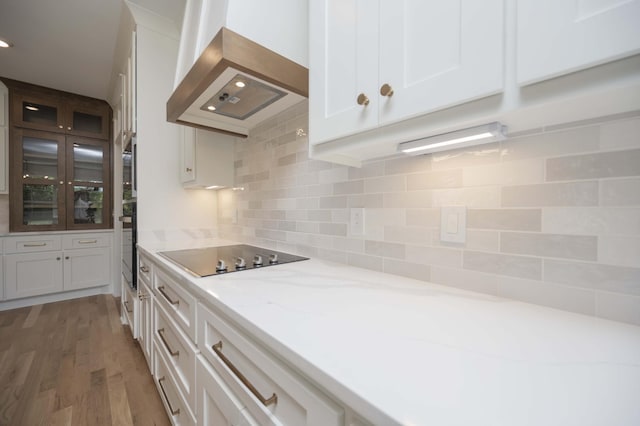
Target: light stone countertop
[(403, 351)]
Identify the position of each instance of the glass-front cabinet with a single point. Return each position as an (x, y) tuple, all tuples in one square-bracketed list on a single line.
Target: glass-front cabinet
[(61, 114), (60, 182)]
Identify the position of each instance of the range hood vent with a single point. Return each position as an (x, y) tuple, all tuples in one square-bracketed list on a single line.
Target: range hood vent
[(235, 84)]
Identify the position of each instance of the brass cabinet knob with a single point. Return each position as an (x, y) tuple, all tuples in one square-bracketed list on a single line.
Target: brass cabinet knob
[(363, 100), (386, 90), (68, 127)]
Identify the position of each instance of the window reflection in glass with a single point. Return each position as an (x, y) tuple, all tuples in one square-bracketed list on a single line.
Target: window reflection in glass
[(87, 163), (39, 158), (87, 204), (39, 114), (40, 204)]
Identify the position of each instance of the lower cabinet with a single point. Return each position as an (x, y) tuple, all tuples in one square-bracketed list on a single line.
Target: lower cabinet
[(33, 274), (145, 296), (216, 402), (269, 391), (175, 404), (208, 369), (43, 264), (129, 308)]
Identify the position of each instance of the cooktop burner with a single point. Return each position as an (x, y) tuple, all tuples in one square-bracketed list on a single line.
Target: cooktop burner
[(206, 261)]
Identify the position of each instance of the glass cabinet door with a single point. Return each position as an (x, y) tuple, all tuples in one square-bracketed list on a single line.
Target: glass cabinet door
[(38, 193), (88, 174), (88, 118), (38, 112)]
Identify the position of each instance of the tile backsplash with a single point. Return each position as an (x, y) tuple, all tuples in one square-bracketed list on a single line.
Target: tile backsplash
[(553, 217)]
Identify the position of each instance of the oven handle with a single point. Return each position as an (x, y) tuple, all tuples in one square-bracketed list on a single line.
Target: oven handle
[(273, 399)]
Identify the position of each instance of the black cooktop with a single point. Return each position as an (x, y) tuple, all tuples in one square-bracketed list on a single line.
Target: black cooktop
[(206, 261)]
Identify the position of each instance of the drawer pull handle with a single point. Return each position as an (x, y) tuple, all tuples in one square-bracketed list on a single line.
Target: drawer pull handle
[(166, 296), (35, 244), (217, 348), (144, 269), (173, 412), (126, 305), (87, 241), (166, 344)]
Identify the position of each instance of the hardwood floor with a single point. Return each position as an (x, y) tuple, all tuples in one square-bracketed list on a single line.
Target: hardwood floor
[(74, 363)]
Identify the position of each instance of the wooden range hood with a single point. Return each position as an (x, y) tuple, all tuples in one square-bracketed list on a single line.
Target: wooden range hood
[(235, 84)]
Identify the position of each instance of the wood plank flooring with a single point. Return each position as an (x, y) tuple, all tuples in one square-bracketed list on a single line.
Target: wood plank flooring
[(74, 363)]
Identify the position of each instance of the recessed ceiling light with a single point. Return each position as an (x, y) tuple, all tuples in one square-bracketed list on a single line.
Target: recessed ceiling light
[(211, 108), (240, 84), (5, 43)]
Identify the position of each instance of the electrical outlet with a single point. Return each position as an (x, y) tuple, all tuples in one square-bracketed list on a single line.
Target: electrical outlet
[(356, 221)]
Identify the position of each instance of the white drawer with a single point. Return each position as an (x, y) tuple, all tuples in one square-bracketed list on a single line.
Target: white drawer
[(179, 352), (178, 303), (217, 404), (80, 241), (145, 268), (173, 401), (243, 364), (129, 307), (33, 243)]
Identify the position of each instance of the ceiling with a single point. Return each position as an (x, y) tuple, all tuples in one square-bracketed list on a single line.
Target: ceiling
[(67, 44)]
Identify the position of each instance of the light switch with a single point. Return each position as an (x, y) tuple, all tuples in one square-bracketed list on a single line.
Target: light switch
[(453, 224)]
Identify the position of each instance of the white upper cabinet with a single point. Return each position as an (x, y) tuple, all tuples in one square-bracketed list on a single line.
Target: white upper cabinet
[(374, 63), (382, 72), (207, 159), (438, 54), (559, 37)]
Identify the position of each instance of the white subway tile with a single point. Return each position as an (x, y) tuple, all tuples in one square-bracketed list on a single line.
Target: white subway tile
[(464, 279), (621, 251), (480, 197), (407, 269), (591, 220), (502, 264), (547, 294), (620, 192), (578, 247), (620, 134), (434, 256), (619, 279), (618, 307)]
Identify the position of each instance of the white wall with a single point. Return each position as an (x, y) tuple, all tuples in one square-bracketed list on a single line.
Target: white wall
[(162, 202)]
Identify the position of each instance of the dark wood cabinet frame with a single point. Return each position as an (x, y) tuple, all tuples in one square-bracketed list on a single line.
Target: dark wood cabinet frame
[(66, 103)]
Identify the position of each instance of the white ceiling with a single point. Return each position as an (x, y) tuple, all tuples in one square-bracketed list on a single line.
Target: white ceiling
[(67, 44)]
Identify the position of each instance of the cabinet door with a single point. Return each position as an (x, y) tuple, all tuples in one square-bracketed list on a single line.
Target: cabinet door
[(4, 164), (32, 274), (146, 324), (37, 111), (217, 404), (343, 64), (188, 155), (4, 139), (37, 186), (559, 37), (88, 118), (435, 55), (88, 183), (87, 268)]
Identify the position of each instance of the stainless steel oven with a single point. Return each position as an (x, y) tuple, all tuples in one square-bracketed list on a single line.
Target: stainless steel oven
[(129, 216)]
